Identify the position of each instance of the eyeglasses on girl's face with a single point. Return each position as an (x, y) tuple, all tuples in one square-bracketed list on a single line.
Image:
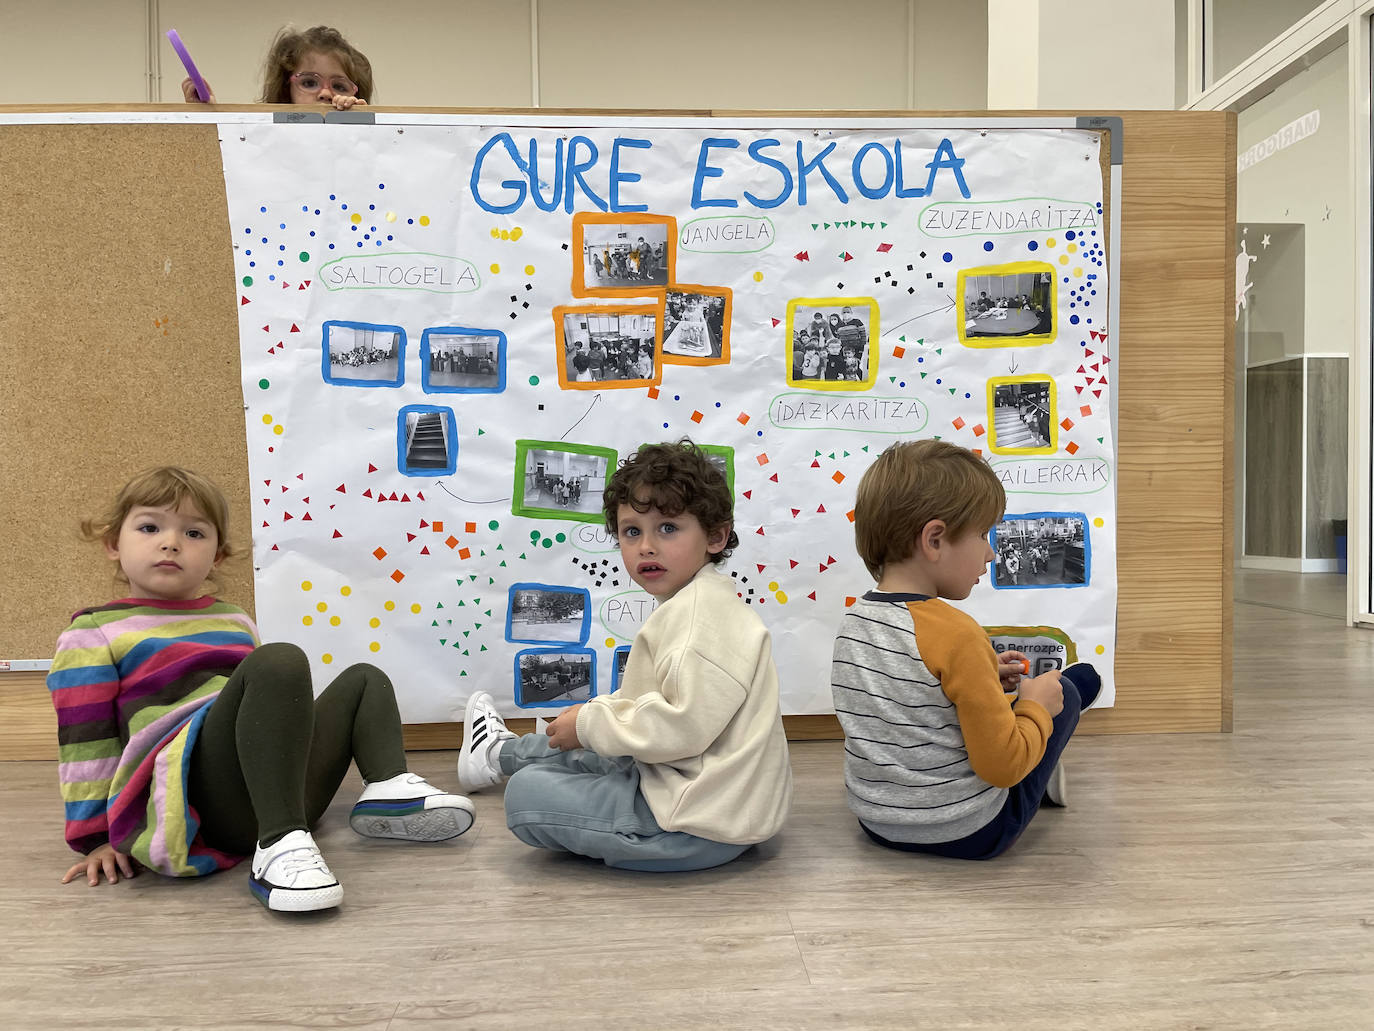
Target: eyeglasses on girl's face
[(314, 82)]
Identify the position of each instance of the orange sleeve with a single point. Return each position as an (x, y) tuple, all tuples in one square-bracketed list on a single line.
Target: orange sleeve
[(1003, 742)]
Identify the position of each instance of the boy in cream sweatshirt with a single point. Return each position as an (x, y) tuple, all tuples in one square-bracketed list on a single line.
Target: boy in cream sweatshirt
[(685, 765)]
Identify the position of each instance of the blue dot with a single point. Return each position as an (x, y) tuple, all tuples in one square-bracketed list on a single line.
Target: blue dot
[(1094, 293), (381, 186), (264, 239), (919, 360), (410, 221), (373, 228), (677, 397), (280, 263), (948, 257), (760, 433), (331, 246), (967, 396), (1069, 235), (1073, 320), (1032, 246), (272, 278), (281, 246), (360, 243), (372, 207), (902, 383), (717, 404), (305, 208), (248, 230), (247, 252), (312, 232), (1071, 304), (938, 382), (332, 197), (343, 207), (1066, 279), (665, 425), (252, 264), (264, 210), (390, 237), (283, 225), (1090, 322), (987, 244), (367, 236), (317, 211)]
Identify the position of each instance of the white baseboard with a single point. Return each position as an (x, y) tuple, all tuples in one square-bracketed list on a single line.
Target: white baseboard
[(1289, 565)]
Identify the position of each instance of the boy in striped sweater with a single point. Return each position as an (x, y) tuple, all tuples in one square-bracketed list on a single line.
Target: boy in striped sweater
[(185, 745), (937, 759)]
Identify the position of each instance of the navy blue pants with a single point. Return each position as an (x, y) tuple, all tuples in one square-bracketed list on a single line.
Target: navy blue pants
[(1081, 684)]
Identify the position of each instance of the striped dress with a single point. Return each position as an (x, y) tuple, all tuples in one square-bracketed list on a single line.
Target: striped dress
[(132, 682), (931, 743)]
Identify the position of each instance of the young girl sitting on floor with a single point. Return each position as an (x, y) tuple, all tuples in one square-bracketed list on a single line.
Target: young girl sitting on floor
[(317, 66), (186, 745)]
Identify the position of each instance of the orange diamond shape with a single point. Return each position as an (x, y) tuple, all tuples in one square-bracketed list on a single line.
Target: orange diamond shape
[(465, 553), (899, 352), (398, 576), (451, 541), (838, 476), (763, 458), (438, 525), (1067, 423), (697, 416), (742, 419), (379, 554), (1071, 448), (959, 423), (979, 430), (849, 515), (1085, 411), (470, 528), (653, 392)]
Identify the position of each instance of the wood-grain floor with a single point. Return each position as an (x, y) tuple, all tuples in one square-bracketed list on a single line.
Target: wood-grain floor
[(1217, 881)]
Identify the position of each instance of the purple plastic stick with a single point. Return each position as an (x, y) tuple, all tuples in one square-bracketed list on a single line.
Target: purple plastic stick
[(202, 90)]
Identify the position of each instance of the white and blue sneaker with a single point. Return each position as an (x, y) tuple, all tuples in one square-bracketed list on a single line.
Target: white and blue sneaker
[(484, 731), (290, 876), (408, 807)]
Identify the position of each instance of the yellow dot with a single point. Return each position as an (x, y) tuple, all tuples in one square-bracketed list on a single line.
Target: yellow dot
[(516, 233), (279, 429), (1063, 259), (1101, 649), (375, 646), (495, 233), (495, 268), (1050, 242), (529, 270), (782, 597), (505, 234), (389, 605), (773, 586), (415, 608), (374, 622), (424, 220), (308, 620), (306, 585), (391, 216), (333, 620), (758, 277), (267, 420), (1078, 271), (345, 590), (610, 642), (326, 658), (1099, 521), (321, 607), (356, 218), (1071, 248)]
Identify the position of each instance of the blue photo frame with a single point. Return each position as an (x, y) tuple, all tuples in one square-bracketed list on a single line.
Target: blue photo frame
[(539, 682), (334, 337), (497, 374), (618, 659), (1005, 579), (561, 597), (418, 457)]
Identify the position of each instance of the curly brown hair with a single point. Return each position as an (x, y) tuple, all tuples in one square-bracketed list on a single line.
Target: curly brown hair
[(673, 478), (289, 47)]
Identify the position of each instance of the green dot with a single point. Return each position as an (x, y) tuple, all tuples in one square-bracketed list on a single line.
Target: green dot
[(534, 536), (305, 256), (247, 280), (547, 542), (264, 384), (493, 525), (534, 381), (560, 538)]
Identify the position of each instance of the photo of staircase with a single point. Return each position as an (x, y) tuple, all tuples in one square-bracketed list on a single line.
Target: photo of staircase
[(427, 448)]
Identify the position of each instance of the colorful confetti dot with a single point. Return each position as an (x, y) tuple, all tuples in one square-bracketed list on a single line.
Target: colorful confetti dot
[(355, 218), (375, 646), (516, 233), (389, 605), (345, 590), (495, 233), (415, 608), (326, 658), (391, 216), (321, 607), (264, 384), (306, 585), (1100, 649), (334, 620), (610, 642), (758, 277), (279, 429), (529, 270), (267, 420), (308, 620), (374, 622), (1099, 522), (424, 220), (495, 268)]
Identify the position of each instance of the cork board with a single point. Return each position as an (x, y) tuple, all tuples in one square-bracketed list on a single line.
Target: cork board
[(121, 351)]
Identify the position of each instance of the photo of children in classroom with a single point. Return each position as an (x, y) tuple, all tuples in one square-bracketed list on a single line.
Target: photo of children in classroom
[(1043, 551), (609, 347), (1013, 305), (632, 255), (830, 343)]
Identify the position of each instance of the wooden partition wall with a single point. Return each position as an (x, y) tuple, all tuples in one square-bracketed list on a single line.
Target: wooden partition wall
[(119, 350)]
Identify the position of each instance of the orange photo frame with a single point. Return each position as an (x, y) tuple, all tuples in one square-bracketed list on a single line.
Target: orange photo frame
[(564, 333), (618, 254), (671, 358)]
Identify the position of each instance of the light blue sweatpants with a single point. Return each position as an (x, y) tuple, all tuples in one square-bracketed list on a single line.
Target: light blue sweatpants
[(584, 803)]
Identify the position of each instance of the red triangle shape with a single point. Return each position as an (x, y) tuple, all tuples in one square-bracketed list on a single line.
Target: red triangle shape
[(774, 477), (830, 560), (301, 287), (812, 595), (1081, 369), (367, 493), (264, 523), (424, 523), (285, 285), (267, 501), (409, 537), (1102, 379), (371, 468), (393, 495), (306, 283), (776, 323), (266, 328), (749, 494), (1097, 393), (300, 476), (267, 482), (275, 548), (1093, 366), (761, 566), (795, 512), (242, 301), (815, 463), (295, 328), (822, 567), (284, 488), (419, 496), (340, 489), (307, 501), (1078, 389), (405, 497), (759, 531), (1105, 359), (1088, 352), (820, 508), (287, 516), (424, 550), (307, 518), (337, 535)]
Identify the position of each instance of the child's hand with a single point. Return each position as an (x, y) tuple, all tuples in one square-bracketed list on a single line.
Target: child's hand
[(188, 90), (563, 730), (1011, 667), (343, 103), (103, 858), (1046, 690)]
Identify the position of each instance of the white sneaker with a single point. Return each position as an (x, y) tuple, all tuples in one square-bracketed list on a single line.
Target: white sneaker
[(1057, 787), (290, 876), (483, 731), (409, 807)]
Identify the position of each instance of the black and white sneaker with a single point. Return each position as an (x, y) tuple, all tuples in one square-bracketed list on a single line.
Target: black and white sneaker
[(483, 732), (409, 807), (290, 876)]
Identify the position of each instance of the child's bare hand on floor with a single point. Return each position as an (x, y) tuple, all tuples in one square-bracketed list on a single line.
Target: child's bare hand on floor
[(103, 859)]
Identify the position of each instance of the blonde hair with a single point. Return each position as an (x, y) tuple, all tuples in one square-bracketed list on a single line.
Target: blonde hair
[(289, 47), (914, 482), (165, 486)]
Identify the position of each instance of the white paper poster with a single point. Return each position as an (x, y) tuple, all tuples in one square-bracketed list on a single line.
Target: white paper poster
[(451, 333)]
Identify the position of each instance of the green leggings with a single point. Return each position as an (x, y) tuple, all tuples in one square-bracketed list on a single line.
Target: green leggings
[(270, 756)]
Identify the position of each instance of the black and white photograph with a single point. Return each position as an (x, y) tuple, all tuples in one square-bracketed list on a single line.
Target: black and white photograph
[(1017, 304), (831, 343), (538, 613), (361, 354), (723, 458), (554, 677), (619, 658), (624, 256), (558, 483), (610, 347), (426, 440), (694, 324), (1041, 549), (1022, 416), (457, 360)]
